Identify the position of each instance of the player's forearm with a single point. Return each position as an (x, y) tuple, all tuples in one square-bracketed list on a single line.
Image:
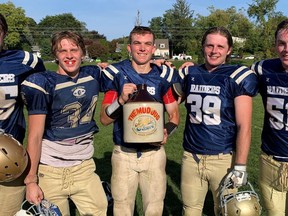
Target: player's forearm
[(104, 118), (34, 151), (173, 112), (36, 124), (243, 110), (243, 145)]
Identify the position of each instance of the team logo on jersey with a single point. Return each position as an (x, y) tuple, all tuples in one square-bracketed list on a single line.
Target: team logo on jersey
[(79, 91), (151, 90)]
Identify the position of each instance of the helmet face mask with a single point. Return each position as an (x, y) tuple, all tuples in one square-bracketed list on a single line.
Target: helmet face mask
[(45, 208), (241, 203), (13, 158)]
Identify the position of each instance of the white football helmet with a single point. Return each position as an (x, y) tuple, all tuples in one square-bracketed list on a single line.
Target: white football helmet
[(45, 208), (13, 158), (241, 203)]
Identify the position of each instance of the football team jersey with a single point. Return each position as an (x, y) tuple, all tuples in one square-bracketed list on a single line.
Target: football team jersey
[(158, 81), (15, 66), (273, 87), (210, 121), (69, 104)]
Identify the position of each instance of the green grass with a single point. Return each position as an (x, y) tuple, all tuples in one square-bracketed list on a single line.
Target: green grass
[(173, 206)]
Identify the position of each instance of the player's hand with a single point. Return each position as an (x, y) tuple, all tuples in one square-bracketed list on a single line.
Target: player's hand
[(160, 62), (169, 64), (157, 62), (186, 64), (34, 193), (128, 90), (103, 65), (165, 137), (238, 176)]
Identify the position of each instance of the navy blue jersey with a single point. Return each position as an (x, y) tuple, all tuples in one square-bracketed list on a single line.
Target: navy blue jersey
[(15, 66), (273, 87), (69, 104), (210, 121), (158, 81)]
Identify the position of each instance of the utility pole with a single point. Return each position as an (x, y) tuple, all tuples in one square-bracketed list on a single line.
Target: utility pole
[(138, 21)]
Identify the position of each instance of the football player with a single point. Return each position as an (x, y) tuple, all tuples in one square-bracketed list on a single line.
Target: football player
[(273, 83), (15, 66), (61, 108), (218, 122), (139, 164)]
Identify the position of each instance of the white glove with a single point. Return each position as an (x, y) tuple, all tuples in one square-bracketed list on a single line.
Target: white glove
[(238, 176)]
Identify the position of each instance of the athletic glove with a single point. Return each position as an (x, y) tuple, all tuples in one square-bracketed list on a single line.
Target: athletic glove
[(238, 176)]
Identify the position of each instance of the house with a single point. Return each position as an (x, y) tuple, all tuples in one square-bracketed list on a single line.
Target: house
[(239, 41), (36, 50), (119, 47), (162, 48)]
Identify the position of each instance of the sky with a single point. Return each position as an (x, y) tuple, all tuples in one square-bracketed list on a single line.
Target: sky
[(116, 18)]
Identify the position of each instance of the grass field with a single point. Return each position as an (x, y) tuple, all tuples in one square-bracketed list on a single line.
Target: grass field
[(173, 206)]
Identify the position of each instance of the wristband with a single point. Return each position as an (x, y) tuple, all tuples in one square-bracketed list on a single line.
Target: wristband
[(113, 111), (170, 127), (240, 168)]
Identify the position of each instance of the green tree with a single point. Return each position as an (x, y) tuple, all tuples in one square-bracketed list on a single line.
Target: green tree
[(93, 35), (176, 25), (66, 21), (51, 24), (156, 25), (266, 20), (17, 25), (33, 34), (262, 10), (234, 20)]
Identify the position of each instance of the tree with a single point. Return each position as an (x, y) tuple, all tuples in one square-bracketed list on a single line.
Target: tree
[(99, 49), (66, 21), (17, 25), (51, 24), (93, 35), (263, 11), (176, 25), (235, 21), (156, 25)]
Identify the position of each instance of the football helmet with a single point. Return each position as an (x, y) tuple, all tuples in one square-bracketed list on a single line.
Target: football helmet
[(107, 189), (13, 158), (241, 203), (45, 208)]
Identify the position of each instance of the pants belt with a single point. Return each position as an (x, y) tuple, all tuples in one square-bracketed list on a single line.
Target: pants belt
[(197, 159), (279, 159)]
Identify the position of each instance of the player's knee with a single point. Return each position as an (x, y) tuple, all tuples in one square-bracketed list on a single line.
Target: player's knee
[(195, 211)]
